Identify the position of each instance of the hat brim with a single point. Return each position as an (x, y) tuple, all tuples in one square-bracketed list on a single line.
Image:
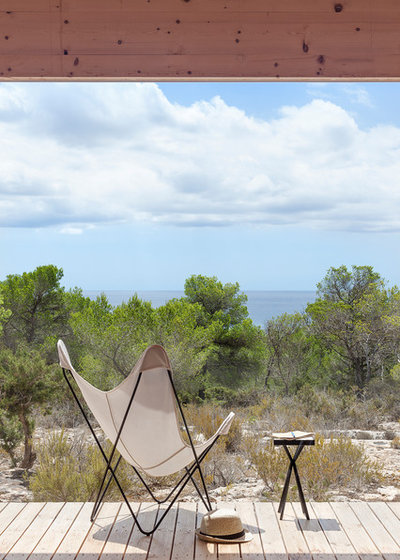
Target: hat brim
[(218, 540)]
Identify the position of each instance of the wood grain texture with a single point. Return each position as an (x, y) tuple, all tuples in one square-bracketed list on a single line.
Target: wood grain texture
[(19, 526), (30, 538), (333, 531), (59, 527), (193, 39), (293, 537), (355, 531), (376, 530), (344, 531)]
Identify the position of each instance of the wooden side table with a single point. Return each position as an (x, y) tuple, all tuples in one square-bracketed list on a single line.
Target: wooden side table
[(299, 444)]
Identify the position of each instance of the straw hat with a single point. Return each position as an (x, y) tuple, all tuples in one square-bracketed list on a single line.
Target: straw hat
[(222, 526)]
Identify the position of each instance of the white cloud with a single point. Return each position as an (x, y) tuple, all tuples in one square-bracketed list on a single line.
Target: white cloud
[(76, 155), (359, 95)]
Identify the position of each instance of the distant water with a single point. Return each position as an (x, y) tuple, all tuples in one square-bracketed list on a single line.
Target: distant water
[(262, 305)]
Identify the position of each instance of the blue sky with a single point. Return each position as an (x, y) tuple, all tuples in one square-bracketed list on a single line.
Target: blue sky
[(137, 186)]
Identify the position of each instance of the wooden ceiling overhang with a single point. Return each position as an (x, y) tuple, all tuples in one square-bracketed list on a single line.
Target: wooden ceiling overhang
[(199, 40)]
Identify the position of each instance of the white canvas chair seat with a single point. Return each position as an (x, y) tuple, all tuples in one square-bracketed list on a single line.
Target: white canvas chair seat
[(139, 417), (151, 438)]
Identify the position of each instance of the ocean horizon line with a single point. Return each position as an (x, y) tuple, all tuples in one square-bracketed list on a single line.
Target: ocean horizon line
[(262, 305)]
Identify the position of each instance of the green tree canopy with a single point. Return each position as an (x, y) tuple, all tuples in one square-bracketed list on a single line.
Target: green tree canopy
[(289, 350), (35, 302), (219, 301), (26, 382), (111, 339), (355, 317), (237, 355), (4, 313)]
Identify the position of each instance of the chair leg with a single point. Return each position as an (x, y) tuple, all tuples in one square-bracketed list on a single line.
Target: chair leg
[(181, 484), (101, 493)]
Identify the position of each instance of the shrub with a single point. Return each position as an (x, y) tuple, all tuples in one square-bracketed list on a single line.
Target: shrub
[(315, 409), (11, 435), (220, 468), (206, 418), (389, 434), (331, 465), (72, 471), (395, 442)]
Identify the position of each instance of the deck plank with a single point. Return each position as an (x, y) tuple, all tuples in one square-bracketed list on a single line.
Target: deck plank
[(203, 550), (293, 537), (19, 525), (184, 541), (9, 513), (395, 507), (76, 534), (250, 550), (25, 545), (97, 537), (334, 532), (380, 536), (162, 540), (355, 531), (52, 538), (345, 531), (385, 514), (314, 535), (270, 533), (117, 541), (138, 544)]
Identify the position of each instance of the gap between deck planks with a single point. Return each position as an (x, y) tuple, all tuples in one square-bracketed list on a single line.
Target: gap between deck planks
[(335, 531)]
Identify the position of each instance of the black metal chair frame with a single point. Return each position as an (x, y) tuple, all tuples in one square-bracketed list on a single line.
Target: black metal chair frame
[(178, 488)]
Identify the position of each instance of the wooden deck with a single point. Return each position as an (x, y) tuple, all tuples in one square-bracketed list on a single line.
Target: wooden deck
[(345, 531)]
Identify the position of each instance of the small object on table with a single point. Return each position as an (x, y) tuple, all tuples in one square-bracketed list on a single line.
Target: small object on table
[(300, 439)]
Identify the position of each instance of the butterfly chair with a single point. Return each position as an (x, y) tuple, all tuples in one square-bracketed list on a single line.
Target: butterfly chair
[(140, 419)]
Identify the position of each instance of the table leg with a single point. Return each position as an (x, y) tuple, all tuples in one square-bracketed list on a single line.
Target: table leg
[(285, 490), (292, 465), (300, 489)]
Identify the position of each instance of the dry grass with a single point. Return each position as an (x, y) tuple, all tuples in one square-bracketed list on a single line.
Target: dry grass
[(332, 464), (69, 470)]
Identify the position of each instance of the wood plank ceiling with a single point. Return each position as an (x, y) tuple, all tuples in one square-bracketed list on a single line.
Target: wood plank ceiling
[(200, 39)]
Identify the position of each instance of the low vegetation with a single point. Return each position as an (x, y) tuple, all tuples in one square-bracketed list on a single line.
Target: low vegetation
[(72, 470), (334, 464), (331, 368)]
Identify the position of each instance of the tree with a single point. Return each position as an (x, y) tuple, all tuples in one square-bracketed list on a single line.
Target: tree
[(35, 302), (26, 382), (188, 344), (237, 353), (111, 339), (356, 318), (219, 301), (289, 351), (4, 313)]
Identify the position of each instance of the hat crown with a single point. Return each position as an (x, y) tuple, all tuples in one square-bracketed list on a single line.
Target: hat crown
[(221, 523)]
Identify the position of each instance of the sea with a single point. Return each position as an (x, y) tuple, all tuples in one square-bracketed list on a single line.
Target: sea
[(262, 305)]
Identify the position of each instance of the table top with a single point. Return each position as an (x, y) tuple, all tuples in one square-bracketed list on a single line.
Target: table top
[(305, 441)]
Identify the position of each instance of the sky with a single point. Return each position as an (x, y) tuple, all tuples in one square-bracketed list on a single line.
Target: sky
[(137, 186)]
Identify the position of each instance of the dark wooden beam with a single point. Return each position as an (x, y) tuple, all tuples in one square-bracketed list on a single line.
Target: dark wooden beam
[(200, 39)]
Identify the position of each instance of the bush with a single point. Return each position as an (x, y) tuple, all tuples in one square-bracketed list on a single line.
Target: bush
[(11, 435), (395, 442), (315, 409), (335, 464), (72, 471), (219, 466), (205, 420)]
